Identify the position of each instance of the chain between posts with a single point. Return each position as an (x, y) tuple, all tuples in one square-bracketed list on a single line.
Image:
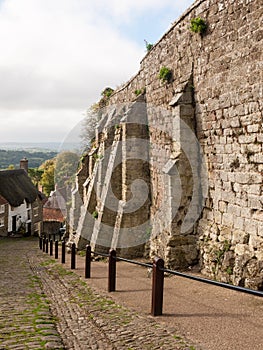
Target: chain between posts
[(157, 274)]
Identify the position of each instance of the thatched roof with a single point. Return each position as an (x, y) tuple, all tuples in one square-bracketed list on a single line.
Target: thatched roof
[(16, 186)]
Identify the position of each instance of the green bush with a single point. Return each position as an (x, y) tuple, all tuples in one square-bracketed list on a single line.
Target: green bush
[(138, 92), (107, 92), (198, 25), (148, 46), (165, 74), (95, 214)]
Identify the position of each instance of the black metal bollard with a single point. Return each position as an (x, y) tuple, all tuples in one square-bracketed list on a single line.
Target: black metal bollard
[(43, 244), (51, 247), (40, 242), (73, 256), (157, 287), (63, 252), (88, 261), (112, 272), (46, 245), (56, 249)]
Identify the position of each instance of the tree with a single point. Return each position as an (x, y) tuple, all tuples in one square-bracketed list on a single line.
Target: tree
[(47, 178), (35, 175), (88, 127), (11, 167), (66, 167), (93, 116)]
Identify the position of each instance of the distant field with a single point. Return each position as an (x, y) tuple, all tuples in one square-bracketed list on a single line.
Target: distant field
[(13, 157)]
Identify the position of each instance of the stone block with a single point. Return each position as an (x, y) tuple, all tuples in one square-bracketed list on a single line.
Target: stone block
[(239, 237), (255, 242), (234, 209), (218, 217), (247, 138), (244, 250), (239, 223), (235, 122), (242, 178), (254, 202), (225, 234), (251, 226), (227, 219), (252, 128)]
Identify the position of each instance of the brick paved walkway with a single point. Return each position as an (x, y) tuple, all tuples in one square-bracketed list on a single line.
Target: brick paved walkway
[(44, 306)]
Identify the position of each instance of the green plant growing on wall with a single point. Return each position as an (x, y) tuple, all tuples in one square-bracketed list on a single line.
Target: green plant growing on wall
[(103, 102), (95, 214), (97, 156), (107, 92), (141, 91), (219, 254), (138, 92), (226, 245), (198, 25), (165, 74), (229, 270), (148, 45)]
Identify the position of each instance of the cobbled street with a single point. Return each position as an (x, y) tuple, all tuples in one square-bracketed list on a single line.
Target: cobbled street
[(44, 306)]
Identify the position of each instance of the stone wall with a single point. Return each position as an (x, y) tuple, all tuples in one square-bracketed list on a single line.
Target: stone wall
[(206, 196)]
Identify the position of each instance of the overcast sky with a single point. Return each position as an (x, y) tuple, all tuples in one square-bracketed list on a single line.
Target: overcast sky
[(56, 56)]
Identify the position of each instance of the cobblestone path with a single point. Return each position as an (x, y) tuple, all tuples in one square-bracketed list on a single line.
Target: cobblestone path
[(25, 318), (44, 306)]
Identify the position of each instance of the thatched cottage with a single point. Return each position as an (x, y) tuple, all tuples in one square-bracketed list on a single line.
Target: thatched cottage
[(21, 208)]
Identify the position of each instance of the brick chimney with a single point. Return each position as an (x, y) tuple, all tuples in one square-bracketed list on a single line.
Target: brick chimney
[(24, 164)]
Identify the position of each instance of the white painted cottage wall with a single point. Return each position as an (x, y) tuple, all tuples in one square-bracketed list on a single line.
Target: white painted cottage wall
[(22, 211)]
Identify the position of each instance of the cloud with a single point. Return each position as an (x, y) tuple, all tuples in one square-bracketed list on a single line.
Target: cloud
[(126, 10), (58, 55), (37, 125), (53, 55)]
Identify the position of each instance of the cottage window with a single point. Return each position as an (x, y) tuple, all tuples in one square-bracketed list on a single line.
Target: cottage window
[(2, 222), (2, 208)]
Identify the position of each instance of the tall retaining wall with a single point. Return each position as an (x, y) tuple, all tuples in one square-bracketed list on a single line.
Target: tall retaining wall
[(205, 141)]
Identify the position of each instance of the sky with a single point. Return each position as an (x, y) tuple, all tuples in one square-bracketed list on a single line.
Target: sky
[(57, 56)]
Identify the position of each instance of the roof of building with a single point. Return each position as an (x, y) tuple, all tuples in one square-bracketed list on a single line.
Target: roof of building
[(16, 187), (53, 214), (3, 200), (56, 200)]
